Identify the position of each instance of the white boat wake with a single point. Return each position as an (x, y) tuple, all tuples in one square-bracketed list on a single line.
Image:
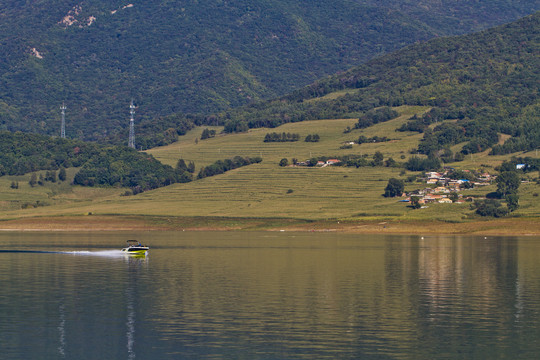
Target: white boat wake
[(100, 253), (105, 253)]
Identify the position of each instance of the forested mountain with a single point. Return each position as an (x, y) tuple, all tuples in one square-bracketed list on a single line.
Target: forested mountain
[(488, 82), (198, 56)]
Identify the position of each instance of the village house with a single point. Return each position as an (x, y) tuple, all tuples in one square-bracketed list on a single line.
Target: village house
[(441, 189), (332, 161), (431, 198)]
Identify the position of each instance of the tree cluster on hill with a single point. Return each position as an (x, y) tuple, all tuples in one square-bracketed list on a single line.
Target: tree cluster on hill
[(50, 176), (508, 182), (125, 167), (21, 153), (207, 134), (281, 137), (376, 116), (416, 163), (394, 188), (185, 171), (489, 207), (222, 166), (312, 138)]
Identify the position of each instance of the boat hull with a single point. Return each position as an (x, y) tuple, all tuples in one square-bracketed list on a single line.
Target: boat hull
[(135, 250)]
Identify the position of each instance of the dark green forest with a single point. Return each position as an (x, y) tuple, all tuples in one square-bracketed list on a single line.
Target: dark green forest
[(179, 57), (22, 153), (125, 167), (99, 165)]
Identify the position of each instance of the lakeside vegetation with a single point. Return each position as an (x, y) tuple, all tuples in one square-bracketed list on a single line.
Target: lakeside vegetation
[(392, 128), (261, 191)]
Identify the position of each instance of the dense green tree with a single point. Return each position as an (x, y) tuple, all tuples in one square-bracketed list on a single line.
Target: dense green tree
[(394, 188), (181, 166), (415, 202), (512, 202), (33, 180), (390, 162), (207, 133), (507, 183), (378, 158), (490, 207), (284, 162), (62, 174)]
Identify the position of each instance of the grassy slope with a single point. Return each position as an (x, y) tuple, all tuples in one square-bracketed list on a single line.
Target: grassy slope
[(261, 190)]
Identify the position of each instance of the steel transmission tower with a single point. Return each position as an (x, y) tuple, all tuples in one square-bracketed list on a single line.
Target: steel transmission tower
[(63, 128), (131, 142)]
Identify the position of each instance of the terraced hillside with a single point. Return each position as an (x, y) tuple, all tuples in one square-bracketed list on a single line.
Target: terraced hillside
[(268, 191)]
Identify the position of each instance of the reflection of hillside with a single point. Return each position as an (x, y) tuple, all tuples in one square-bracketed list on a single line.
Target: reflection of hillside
[(467, 288), (200, 295), (385, 295), (293, 295), (463, 270)]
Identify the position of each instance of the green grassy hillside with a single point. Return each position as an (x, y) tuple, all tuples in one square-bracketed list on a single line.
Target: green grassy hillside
[(487, 82), (269, 191), (458, 98)]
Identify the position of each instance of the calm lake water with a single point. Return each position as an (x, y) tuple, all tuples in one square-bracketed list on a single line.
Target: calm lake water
[(236, 295)]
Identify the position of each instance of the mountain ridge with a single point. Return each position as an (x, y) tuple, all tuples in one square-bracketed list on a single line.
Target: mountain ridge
[(201, 57), (487, 80)]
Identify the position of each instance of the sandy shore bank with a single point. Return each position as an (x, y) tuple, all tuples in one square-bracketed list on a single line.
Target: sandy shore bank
[(507, 226)]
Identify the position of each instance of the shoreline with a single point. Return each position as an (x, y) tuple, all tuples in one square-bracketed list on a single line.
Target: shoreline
[(94, 223)]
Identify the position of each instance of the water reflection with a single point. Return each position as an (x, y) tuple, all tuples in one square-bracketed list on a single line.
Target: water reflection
[(387, 297), (136, 264), (62, 331), (295, 296)]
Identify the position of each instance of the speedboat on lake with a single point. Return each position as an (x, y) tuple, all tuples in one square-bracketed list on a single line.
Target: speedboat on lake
[(135, 248)]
